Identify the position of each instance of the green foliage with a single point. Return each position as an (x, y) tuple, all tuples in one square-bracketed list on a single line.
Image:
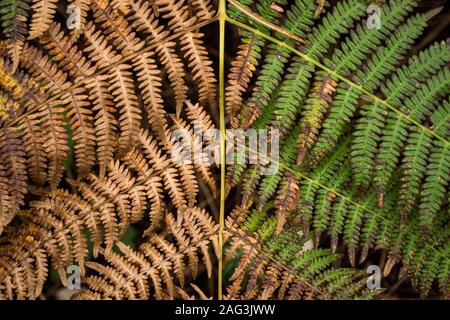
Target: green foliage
[(364, 140), (13, 16)]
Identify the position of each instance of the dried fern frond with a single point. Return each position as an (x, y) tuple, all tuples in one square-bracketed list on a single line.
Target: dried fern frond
[(191, 44), (43, 13), (153, 270), (86, 140)]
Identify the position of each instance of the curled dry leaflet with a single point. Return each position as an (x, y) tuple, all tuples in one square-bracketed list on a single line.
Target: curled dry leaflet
[(305, 154)]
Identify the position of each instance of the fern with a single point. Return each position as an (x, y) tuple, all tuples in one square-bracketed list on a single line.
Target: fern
[(88, 149), (363, 146)]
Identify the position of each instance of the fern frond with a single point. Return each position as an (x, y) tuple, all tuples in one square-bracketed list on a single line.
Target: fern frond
[(344, 59), (55, 139), (293, 89), (84, 6), (116, 28), (168, 173), (204, 10), (150, 271), (146, 22), (122, 88), (247, 59), (65, 53), (44, 70), (105, 123), (99, 50), (149, 78), (322, 172), (81, 123), (418, 105), (13, 16), (192, 46), (43, 13), (33, 140)]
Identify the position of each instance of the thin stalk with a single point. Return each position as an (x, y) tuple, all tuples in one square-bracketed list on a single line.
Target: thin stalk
[(222, 19)]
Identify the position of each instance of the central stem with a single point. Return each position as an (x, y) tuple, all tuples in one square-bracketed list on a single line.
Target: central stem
[(222, 18)]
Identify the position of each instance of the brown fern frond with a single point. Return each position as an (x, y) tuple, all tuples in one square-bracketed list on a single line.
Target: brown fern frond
[(194, 143), (144, 20), (55, 140), (7, 206), (55, 227), (121, 5), (43, 12), (108, 191), (149, 78), (271, 282), (105, 123), (183, 241), (162, 165), (253, 285), (242, 68), (196, 233), (192, 46), (164, 266), (9, 108), (122, 88), (207, 224), (204, 11), (81, 122), (116, 28), (20, 86), (151, 270), (136, 193), (44, 70), (198, 116), (12, 157), (99, 50), (123, 288), (153, 187), (286, 280), (184, 165), (64, 52), (286, 199), (33, 139), (176, 257)]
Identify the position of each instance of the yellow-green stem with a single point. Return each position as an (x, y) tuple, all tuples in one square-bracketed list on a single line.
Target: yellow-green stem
[(222, 18)]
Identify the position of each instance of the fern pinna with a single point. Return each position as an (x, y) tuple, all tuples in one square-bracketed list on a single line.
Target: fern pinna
[(87, 122), (364, 167)]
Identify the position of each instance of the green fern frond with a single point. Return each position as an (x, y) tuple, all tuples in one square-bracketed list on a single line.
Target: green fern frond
[(347, 57), (287, 158), (414, 163), (323, 171), (13, 18), (293, 89), (299, 19), (436, 182), (325, 199), (369, 127)]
